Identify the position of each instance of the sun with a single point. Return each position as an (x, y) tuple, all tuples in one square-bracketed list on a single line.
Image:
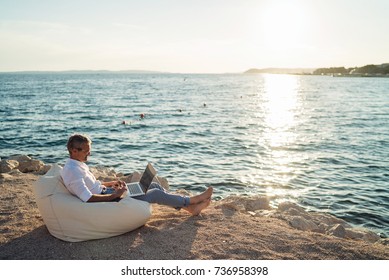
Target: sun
[(283, 25)]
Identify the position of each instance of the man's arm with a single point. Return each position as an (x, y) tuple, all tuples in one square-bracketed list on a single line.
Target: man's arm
[(103, 197), (108, 197)]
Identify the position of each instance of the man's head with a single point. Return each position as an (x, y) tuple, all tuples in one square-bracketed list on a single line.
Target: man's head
[(79, 147)]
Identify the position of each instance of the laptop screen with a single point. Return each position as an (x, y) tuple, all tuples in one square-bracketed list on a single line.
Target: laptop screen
[(148, 176)]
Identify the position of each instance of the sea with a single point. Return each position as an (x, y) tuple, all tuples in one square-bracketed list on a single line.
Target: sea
[(321, 142)]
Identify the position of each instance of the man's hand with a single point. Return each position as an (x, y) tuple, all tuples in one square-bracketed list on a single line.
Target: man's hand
[(118, 183), (120, 188)]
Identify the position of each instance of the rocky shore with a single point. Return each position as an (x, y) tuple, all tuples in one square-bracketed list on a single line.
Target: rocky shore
[(233, 228)]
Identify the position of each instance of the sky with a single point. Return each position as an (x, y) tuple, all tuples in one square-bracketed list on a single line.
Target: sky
[(191, 36)]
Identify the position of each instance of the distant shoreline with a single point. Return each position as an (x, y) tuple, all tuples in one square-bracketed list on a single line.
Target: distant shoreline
[(371, 70), (248, 72), (85, 72), (381, 70), (326, 75)]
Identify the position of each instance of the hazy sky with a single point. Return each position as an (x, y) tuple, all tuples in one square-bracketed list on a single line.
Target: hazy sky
[(192, 36)]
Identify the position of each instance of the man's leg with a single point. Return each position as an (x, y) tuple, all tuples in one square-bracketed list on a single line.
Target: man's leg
[(194, 204), (157, 194)]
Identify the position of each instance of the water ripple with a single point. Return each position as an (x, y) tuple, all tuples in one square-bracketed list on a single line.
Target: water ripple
[(307, 139)]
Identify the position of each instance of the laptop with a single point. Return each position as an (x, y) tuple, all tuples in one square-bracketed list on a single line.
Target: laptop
[(141, 187)]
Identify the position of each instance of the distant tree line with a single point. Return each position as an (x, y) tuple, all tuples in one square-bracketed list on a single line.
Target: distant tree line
[(332, 70), (371, 69)]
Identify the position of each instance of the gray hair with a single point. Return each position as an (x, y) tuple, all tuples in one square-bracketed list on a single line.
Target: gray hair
[(76, 140)]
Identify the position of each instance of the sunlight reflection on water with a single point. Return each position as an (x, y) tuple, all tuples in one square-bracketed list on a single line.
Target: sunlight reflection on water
[(280, 104)]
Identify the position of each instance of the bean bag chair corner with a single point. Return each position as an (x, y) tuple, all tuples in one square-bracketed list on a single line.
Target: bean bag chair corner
[(70, 219)]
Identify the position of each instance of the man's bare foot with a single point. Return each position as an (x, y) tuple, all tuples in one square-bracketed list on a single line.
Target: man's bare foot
[(201, 197), (195, 209)]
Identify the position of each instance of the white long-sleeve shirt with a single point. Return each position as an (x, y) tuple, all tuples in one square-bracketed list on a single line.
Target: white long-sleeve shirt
[(79, 180)]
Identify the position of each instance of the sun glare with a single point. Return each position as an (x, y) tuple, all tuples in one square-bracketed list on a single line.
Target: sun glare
[(283, 25), (281, 104)]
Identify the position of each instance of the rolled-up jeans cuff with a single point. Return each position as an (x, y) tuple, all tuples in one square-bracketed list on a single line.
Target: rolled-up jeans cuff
[(186, 202)]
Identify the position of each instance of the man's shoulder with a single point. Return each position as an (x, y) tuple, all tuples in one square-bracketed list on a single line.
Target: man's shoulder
[(73, 167), (72, 163)]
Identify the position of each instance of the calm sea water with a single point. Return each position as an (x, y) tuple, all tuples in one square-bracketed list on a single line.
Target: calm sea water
[(321, 142)]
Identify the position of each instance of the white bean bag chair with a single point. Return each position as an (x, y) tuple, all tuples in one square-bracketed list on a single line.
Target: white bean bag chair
[(70, 219)]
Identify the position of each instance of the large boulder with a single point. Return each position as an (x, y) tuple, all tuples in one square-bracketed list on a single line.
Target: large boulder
[(27, 164)]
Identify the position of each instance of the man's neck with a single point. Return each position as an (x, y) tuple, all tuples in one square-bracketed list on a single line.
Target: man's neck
[(76, 160)]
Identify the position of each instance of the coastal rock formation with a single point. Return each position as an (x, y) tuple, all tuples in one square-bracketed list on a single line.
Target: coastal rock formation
[(24, 164), (297, 217), (103, 173)]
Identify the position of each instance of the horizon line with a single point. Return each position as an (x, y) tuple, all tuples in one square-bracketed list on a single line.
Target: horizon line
[(138, 71), (150, 71)]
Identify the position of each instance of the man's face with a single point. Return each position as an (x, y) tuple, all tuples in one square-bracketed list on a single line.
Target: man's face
[(82, 153)]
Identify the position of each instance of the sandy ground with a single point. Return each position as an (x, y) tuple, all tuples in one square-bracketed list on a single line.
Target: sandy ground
[(219, 233)]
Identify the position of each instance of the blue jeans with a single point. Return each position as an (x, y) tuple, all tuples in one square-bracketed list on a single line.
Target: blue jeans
[(157, 194)]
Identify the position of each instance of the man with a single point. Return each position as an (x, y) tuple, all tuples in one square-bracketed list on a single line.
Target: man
[(83, 184)]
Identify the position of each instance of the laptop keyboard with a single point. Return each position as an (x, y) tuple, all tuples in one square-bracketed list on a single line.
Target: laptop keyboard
[(133, 188)]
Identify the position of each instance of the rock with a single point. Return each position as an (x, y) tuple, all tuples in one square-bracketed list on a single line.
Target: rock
[(297, 212), (338, 231), (384, 241), (126, 178), (303, 224), (20, 158), (7, 165), (232, 202), (370, 237), (354, 234), (321, 227), (164, 182), (362, 234), (294, 212), (27, 164), (265, 213), (15, 172), (284, 206), (244, 204), (254, 214), (257, 203), (103, 171), (297, 216), (30, 166), (234, 206), (5, 176), (44, 169), (328, 219)]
